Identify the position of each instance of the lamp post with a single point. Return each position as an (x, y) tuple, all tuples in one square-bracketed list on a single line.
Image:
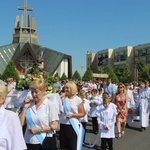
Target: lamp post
[(135, 74)]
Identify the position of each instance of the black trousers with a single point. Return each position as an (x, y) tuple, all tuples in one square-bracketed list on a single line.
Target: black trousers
[(105, 142), (49, 143), (68, 137), (95, 124), (34, 146), (84, 124)]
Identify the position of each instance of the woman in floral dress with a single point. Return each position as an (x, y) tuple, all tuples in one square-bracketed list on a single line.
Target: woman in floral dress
[(121, 100)]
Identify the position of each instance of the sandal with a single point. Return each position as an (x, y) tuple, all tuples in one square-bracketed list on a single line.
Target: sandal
[(122, 132), (119, 135)]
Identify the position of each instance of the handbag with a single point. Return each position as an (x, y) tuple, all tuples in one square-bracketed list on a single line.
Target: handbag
[(49, 143)]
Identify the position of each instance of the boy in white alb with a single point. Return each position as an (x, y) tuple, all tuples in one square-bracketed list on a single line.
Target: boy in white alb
[(106, 117)]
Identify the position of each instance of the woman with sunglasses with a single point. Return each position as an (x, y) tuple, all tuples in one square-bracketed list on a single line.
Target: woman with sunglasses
[(121, 100)]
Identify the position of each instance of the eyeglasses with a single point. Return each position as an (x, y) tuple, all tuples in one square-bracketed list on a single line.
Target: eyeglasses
[(120, 87)]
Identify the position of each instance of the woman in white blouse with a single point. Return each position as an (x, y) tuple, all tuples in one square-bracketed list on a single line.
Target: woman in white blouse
[(70, 127), (11, 137), (41, 117)]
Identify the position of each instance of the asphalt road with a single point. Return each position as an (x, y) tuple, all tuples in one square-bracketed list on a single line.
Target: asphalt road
[(132, 140)]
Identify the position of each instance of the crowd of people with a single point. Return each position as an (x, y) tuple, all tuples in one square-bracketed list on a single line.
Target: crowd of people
[(30, 119)]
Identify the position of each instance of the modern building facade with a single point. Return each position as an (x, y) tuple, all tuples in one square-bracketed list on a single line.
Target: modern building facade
[(142, 52), (24, 49), (105, 57), (122, 55)]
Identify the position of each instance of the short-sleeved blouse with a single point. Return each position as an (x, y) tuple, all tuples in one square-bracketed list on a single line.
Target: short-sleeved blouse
[(46, 113), (73, 108)]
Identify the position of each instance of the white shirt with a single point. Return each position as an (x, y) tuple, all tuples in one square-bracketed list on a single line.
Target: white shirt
[(11, 137), (94, 104), (111, 105), (94, 86), (87, 109), (144, 93), (107, 116), (54, 97), (46, 113), (110, 89), (10, 100), (72, 107), (131, 102)]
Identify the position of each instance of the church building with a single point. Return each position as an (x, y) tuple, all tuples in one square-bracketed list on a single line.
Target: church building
[(25, 49)]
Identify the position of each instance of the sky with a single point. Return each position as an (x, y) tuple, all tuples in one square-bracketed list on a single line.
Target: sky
[(74, 27)]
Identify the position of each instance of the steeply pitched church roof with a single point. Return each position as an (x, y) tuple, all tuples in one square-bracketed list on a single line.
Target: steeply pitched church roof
[(6, 54), (52, 58)]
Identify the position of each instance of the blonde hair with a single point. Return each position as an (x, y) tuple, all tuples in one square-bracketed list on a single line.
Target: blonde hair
[(38, 84), (3, 90), (124, 90), (72, 86)]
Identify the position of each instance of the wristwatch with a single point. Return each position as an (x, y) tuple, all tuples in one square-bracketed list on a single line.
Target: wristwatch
[(42, 129)]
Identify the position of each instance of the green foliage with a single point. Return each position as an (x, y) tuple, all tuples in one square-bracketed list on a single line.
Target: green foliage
[(56, 75), (50, 79), (109, 70), (123, 73), (50, 88), (32, 70), (88, 75), (63, 77), (100, 70), (145, 75), (143, 70), (23, 84), (94, 69), (76, 76), (10, 71)]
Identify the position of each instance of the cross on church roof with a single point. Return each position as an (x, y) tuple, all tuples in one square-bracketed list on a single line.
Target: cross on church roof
[(25, 8)]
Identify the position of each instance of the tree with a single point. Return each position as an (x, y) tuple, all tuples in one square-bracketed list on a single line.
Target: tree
[(100, 70), (56, 75), (63, 77), (76, 76), (93, 68), (109, 70), (146, 72), (88, 75), (123, 74), (10, 71), (143, 70)]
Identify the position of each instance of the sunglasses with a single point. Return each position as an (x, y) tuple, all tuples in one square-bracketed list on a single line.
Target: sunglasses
[(120, 87)]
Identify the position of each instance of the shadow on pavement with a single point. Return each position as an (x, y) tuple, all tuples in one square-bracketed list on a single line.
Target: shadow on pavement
[(94, 147)]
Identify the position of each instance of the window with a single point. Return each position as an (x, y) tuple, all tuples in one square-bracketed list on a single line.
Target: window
[(148, 59), (148, 51), (26, 60)]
